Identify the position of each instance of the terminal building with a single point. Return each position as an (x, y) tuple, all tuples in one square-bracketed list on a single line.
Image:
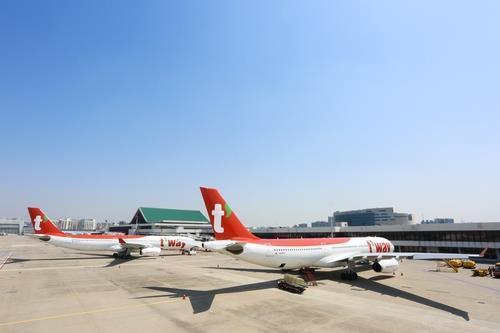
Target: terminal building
[(448, 237), (438, 220), (11, 226), (371, 216), (164, 221)]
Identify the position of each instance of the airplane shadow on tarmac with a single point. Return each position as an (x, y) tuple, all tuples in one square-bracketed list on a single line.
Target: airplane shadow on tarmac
[(202, 300), (93, 256), (373, 285)]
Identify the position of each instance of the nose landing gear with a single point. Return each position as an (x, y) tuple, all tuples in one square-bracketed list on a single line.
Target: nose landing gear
[(122, 254)]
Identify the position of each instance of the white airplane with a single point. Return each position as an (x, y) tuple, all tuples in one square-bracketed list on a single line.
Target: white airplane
[(232, 238), (121, 245)]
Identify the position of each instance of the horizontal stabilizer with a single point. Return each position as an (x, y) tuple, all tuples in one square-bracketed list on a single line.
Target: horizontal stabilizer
[(130, 246)]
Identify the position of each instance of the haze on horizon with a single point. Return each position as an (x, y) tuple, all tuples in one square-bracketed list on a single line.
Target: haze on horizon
[(291, 109)]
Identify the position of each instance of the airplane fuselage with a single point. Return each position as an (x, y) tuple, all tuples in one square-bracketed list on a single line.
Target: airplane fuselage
[(112, 243), (298, 253)]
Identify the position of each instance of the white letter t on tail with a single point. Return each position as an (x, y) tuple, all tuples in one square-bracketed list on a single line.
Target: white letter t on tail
[(218, 213)]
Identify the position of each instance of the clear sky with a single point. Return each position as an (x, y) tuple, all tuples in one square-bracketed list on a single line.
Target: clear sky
[(293, 109)]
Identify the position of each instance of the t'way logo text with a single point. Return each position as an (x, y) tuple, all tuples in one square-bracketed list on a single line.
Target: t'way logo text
[(378, 247), (218, 213), (38, 219), (175, 243)]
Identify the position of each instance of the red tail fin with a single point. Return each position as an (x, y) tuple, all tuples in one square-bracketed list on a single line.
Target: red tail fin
[(224, 221), (42, 224)]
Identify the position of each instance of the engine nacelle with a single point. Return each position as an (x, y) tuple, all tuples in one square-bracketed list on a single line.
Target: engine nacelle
[(385, 266), (150, 252)]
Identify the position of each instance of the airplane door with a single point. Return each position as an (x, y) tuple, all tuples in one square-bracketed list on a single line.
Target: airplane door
[(269, 250)]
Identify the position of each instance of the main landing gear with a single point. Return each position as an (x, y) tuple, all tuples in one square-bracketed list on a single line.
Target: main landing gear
[(349, 274), (309, 275)]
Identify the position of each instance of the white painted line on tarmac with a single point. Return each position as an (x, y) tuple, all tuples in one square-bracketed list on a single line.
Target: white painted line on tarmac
[(72, 267), (4, 259), (81, 313)]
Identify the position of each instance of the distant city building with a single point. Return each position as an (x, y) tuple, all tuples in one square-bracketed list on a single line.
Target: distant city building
[(66, 224), (87, 224), (11, 226), (105, 225), (165, 221), (69, 224), (300, 225), (438, 220), (318, 224), (372, 216)]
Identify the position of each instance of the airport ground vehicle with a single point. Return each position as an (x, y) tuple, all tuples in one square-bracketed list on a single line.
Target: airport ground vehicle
[(121, 245), (455, 263), (496, 270), (234, 239), (469, 264), (480, 272), (292, 284)]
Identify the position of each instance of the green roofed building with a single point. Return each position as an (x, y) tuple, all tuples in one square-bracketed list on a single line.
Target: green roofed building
[(166, 221)]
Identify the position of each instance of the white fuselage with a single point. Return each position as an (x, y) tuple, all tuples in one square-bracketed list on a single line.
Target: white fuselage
[(292, 257), (113, 244)]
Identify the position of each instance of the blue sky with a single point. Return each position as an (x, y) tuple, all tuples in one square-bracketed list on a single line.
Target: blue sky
[(292, 109)]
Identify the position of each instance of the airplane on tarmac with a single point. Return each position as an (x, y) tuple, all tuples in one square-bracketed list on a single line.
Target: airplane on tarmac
[(121, 245), (234, 239)]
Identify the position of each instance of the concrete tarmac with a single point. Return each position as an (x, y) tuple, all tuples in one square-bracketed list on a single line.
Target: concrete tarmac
[(50, 289)]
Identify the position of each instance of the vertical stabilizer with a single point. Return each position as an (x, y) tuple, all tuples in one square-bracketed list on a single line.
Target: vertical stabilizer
[(42, 224), (224, 221)]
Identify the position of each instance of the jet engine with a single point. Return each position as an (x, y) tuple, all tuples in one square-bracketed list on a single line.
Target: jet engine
[(385, 265), (150, 252)]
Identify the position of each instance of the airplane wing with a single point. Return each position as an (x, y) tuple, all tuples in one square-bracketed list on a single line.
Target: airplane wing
[(333, 258), (130, 246), (355, 256), (430, 256)]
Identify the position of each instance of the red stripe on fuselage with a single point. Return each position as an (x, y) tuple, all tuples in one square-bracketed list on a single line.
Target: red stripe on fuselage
[(295, 241)]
